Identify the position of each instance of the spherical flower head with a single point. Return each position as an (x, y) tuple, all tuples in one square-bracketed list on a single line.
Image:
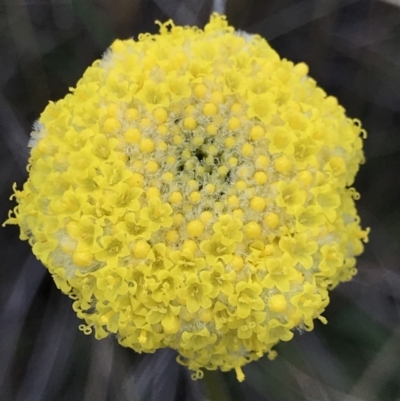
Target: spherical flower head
[(193, 191)]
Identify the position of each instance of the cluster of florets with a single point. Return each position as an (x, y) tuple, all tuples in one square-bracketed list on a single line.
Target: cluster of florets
[(193, 192)]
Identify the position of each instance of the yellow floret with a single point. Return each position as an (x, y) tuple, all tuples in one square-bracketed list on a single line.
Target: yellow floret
[(262, 161), (195, 197), (271, 220), (252, 230), (141, 249), (190, 123), (210, 109), (146, 145), (283, 164), (132, 135), (234, 123), (205, 217), (152, 192), (256, 133), (260, 177), (195, 228), (82, 258), (200, 91), (151, 167), (211, 129), (136, 180), (111, 125), (132, 114), (175, 197), (258, 204), (230, 142), (172, 236), (160, 115), (277, 303)]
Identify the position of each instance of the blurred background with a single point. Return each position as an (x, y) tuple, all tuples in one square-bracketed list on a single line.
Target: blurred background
[(353, 51)]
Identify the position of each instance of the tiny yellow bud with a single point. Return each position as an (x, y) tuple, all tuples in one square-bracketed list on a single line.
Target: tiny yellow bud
[(189, 244), (178, 219), (223, 171), (190, 164), (195, 228), (211, 129), (161, 145), (153, 192), (200, 91), (258, 204), (243, 172), (172, 236), (178, 139), (234, 123), (212, 150), (160, 115), (193, 185), (175, 197), (233, 162), (136, 180), (132, 135), (237, 262), (205, 217), (256, 133), (167, 177), (82, 258), (206, 315), (230, 142), (247, 150), (190, 109), (282, 164), (271, 220), (146, 145), (141, 249), (217, 97), (238, 214), (262, 162), (151, 166), (111, 125), (210, 109), (190, 123), (233, 201), (195, 197), (132, 114), (209, 189), (305, 177), (252, 230), (170, 160), (236, 108), (277, 303), (162, 129), (145, 122), (112, 110), (241, 185), (186, 154), (260, 177), (197, 140)]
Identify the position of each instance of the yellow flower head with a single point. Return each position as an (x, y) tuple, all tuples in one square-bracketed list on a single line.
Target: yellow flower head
[(193, 192)]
